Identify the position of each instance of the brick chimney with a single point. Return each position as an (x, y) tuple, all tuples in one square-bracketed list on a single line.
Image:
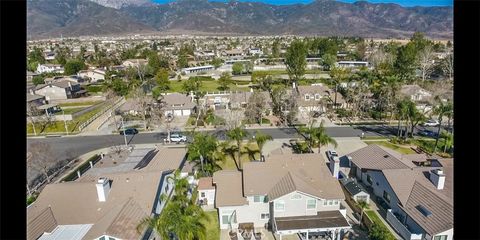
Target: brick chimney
[(438, 178), (103, 188)]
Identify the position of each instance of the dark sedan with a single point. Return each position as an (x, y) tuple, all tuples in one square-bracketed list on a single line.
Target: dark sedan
[(427, 133), (129, 131)]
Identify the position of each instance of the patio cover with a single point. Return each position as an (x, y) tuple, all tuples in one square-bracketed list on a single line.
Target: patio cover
[(323, 220)]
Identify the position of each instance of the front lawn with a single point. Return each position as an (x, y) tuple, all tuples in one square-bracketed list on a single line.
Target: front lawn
[(400, 149), (74, 104), (213, 229), (207, 86)]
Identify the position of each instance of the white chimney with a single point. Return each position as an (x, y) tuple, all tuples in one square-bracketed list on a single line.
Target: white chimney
[(438, 178), (334, 166), (349, 161), (32, 92), (103, 188), (69, 85)]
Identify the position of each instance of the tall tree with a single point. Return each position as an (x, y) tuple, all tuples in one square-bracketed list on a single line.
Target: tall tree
[(425, 60), (72, 67), (255, 107), (441, 110), (296, 61), (338, 75), (224, 81), (405, 62), (328, 61), (202, 151), (237, 134), (447, 66), (42, 158), (237, 68), (161, 78)]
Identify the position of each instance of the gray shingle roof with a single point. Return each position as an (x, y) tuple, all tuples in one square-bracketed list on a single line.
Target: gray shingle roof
[(378, 158)]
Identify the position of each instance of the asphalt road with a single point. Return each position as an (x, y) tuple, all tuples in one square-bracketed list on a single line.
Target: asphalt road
[(73, 146)]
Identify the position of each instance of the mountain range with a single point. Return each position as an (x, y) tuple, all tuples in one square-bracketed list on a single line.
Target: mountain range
[(52, 18)]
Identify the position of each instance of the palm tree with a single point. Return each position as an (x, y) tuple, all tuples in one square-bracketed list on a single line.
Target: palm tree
[(448, 140), (402, 111), (441, 110), (201, 151), (261, 139), (363, 205), (237, 134), (320, 137)]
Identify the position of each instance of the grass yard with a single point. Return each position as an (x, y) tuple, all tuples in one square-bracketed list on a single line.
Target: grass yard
[(213, 229), (402, 150), (207, 86), (70, 110), (59, 126), (376, 220), (229, 163)]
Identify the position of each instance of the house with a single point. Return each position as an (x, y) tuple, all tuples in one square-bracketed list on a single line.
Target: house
[(64, 89), (206, 191), (417, 190), (415, 93), (93, 75), (134, 62), (255, 51), (49, 68), (317, 97), (107, 204), (233, 53), (291, 193), (197, 69), (49, 56), (178, 104), (30, 76)]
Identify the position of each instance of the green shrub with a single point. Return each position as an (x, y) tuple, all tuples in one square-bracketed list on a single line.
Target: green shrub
[(378, 232), (94, 88), (31, 199)]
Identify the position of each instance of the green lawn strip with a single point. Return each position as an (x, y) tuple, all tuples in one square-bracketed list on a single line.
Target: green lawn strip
[(403, 150), (376, 220), (213, 230), (70, 110), (207, 86)]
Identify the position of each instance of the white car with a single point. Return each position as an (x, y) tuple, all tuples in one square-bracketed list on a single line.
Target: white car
[(177, 138), (331, 154), (431, 123)]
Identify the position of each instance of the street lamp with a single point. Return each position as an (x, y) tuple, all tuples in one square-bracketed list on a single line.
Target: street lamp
[(64, 122), (124, 135)]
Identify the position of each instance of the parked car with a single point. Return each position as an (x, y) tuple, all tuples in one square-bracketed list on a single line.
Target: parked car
[(431, 123), (317, 114), (129, 131), (331, 154), (177, 138), (427, 133)]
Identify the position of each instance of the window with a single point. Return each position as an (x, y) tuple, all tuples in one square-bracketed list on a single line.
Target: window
[(307, 97), (265, 216), (110, 238), (330, 202), (386, 196), (202, 194), (225, 219), (279, 206), (317, 96), (311, 204), (296, 197), (325, 202), (102, 238), (441, 237), (369, 179), (258, 198), (335, 202)]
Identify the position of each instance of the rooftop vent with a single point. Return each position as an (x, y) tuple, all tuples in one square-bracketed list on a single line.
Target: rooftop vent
[(424, 210), (385, 156)]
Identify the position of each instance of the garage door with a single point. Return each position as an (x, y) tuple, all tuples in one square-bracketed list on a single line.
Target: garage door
[(177, 113), (186, 112)]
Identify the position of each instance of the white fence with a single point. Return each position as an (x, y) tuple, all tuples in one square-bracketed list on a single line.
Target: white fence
[(90, 120), (400, 228)]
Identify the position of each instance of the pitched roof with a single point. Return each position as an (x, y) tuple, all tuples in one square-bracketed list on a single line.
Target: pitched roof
[(376, 157), (441, 217), (60, 197), (282, 173), (228, 188), (205, 183), (178, 99), (412, 90), (353, 187)]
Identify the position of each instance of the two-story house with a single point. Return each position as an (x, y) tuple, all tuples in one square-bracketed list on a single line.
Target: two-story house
[(288, 193), (59, 90), (317, 97), (134, 62), (93, 75), (417, 94), (418, 190), (49, 68)]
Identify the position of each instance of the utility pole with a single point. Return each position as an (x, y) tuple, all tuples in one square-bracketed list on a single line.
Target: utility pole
[(64, 122), (124, 135)]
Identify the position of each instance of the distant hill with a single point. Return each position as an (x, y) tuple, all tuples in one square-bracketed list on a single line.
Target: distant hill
[(322, 17)]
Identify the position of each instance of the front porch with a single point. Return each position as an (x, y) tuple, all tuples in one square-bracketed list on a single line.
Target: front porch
[(324, 225)]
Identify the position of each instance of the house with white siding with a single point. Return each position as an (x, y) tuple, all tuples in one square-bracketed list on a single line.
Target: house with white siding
[(59, 90), (49, 68), (417, 189), (287, 193)]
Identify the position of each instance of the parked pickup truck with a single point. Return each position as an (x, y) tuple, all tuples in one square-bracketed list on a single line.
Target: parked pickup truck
[(177, 138)]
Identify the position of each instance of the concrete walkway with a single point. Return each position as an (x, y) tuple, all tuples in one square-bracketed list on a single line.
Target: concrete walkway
[(94, 126)]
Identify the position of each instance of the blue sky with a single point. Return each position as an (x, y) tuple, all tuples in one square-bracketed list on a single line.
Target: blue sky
[(405, 3)]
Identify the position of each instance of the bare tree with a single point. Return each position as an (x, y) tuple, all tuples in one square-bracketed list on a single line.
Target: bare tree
[(32, 112), (234, 119), (447, 66), (144, 103), (110, 94), (255, 107), (426, 62), (42, 158)]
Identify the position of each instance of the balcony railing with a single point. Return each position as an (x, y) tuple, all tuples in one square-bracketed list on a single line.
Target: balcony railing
[(400, 228)]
